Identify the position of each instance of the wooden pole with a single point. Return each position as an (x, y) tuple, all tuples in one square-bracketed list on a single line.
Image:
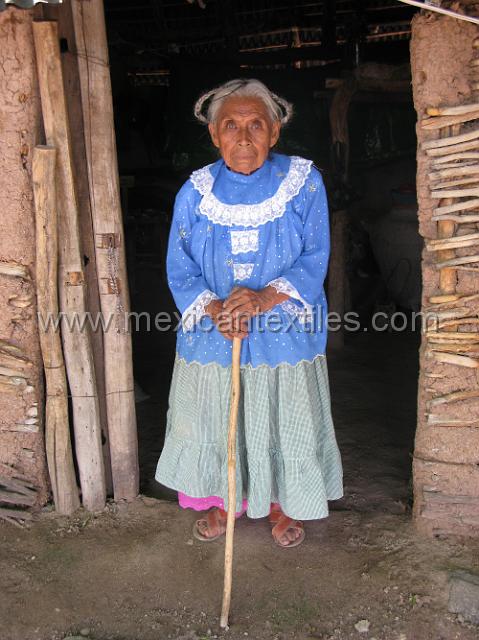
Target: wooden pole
[(63, 14), (230, 522), (95, 82), (57, 432), (76, 338)]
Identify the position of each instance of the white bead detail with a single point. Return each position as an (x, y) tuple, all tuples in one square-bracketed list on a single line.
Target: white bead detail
[(304, 313), (244, 241), (196, 310), (242, 271), (250, 215)]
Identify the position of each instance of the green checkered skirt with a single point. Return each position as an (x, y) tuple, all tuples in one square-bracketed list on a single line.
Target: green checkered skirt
[(286, 446)]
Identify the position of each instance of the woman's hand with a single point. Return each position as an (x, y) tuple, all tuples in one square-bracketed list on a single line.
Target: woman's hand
[(226, 324), (247, 303)]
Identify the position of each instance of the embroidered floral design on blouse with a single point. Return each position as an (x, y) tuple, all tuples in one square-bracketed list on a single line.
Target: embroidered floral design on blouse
[(196, 310), (244, 241), (250, 215), (242, 271)]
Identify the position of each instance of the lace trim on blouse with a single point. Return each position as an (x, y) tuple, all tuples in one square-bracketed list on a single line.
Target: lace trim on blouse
[(196, 310), (250, 215), (304, 313), (242, 271), (244, 241)]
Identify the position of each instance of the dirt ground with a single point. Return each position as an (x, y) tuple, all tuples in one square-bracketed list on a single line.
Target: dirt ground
[(134, 571)]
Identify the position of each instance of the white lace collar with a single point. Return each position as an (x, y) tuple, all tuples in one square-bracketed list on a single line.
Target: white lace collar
[(250, 215)]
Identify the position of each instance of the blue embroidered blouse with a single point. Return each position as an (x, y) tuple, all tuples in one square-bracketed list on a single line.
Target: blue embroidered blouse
[(267, 228)]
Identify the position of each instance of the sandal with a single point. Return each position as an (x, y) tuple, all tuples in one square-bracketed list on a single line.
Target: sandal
[(215, 521), (283, 524)]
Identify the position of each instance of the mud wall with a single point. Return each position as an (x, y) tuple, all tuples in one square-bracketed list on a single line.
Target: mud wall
[(21, 382), (446, 458)]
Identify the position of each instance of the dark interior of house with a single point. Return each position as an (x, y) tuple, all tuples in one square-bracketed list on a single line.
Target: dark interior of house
[(345, 66)]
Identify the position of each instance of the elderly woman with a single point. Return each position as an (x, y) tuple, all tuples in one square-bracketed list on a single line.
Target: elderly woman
[(248, 255)]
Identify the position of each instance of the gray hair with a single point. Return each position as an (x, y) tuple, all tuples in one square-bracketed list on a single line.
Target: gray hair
[(278, 108)]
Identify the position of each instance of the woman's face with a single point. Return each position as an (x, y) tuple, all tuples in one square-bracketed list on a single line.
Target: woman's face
[(244, 133)]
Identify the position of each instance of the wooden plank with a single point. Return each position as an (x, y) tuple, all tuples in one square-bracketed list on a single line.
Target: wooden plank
[(92, 52), (57, 428), (63, 14), (76, 340)]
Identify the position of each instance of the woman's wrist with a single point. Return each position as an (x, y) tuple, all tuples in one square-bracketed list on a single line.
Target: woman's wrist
[(214, 308), (270, 297)]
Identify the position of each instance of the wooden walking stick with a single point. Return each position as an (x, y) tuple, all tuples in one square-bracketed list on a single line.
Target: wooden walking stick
[(230, 522)]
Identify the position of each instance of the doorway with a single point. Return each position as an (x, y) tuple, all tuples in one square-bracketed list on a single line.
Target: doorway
[(160, 66)]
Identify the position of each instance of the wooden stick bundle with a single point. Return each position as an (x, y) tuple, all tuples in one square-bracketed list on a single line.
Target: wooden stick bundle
[(452, 358), (17, 494), (466, 205), (461, 155), (455, 193), (446, 300), (455, 396), (459, 337), (446, 121), (57, 431), (456, 347), (454, 242), (453, 322), (458, 219), (15, 270), (466, 170), (450, 140), (230, 523), (452, 111), (447, 421), (76, 340), (452, 149), (457, 261)]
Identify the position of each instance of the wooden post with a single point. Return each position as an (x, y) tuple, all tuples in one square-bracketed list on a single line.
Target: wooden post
[(337, 276), (63, 14), (92, 52), (76, 339), (57, 432)]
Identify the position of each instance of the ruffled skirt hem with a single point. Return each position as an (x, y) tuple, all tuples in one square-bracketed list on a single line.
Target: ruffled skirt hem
[(286, 446)]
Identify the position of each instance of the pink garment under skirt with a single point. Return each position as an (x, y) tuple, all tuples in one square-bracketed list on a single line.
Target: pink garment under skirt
[(203, 504)]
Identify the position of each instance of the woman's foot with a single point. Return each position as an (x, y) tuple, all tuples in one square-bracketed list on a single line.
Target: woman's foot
[(212, 526), (287, 532)]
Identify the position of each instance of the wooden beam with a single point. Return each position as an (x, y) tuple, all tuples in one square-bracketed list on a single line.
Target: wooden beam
[(76, 340), (63, 14), (97, 105), (57, 428)]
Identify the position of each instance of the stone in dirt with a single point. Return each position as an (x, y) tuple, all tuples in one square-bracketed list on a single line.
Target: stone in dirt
[(362, 626), (464, 595)]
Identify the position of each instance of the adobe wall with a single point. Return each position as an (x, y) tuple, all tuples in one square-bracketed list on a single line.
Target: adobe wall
[(446, 457), (21, 379)]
